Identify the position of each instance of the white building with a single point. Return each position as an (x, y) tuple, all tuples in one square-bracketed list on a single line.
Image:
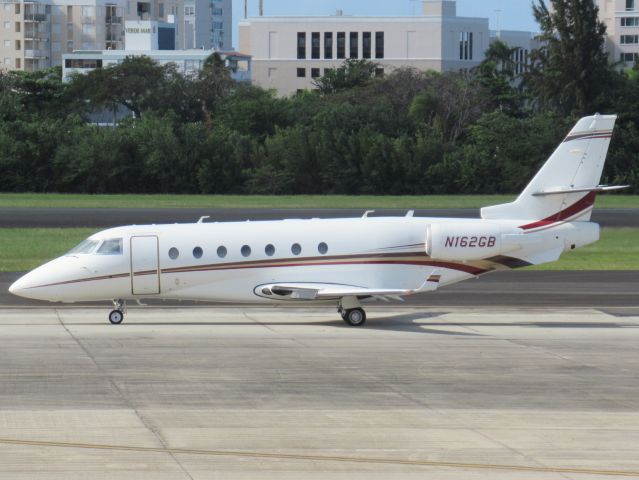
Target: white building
[(289, 52), (186, 61), (622, 21)]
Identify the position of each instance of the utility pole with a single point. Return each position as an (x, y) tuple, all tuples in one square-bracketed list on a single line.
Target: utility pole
[(261, 8)]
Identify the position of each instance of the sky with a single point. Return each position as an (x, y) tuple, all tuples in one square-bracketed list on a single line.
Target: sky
[(515, 14)]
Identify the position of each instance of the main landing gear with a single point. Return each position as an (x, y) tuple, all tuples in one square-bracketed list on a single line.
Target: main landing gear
[(351, 311), (116, 316)]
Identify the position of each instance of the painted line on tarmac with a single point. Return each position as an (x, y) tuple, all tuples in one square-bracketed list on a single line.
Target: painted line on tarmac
[(323, 458)]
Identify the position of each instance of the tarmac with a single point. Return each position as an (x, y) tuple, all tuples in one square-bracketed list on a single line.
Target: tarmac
[(250, 393), (101, 218)]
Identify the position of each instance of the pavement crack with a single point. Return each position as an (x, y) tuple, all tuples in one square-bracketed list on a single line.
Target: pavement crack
[(156, 433)]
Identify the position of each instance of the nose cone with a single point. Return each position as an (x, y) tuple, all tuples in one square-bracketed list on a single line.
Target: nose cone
[(25, 286), (17, 287), (44, 282)]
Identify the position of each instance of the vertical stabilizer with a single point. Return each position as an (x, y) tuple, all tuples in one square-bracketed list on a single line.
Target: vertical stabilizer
[(564, 189)]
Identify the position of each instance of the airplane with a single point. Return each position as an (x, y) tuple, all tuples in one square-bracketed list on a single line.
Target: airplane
[(337, 261)]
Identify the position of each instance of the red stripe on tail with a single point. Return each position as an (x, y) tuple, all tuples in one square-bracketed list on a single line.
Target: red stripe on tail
[(581, 205)]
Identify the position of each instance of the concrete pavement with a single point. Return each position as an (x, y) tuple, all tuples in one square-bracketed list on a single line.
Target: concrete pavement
[(237, 393)]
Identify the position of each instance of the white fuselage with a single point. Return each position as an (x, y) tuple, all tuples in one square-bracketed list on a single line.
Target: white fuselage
[(230, 261)]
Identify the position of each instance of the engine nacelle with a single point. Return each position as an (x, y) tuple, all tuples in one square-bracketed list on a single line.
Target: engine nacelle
[(463, 241)]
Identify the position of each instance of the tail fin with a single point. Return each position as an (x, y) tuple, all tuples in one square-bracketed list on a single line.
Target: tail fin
[(566, 186)]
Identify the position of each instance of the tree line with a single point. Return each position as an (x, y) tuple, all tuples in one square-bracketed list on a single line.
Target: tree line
[(409, 132)]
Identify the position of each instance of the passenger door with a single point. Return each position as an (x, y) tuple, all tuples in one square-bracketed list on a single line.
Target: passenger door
[(145, 262)]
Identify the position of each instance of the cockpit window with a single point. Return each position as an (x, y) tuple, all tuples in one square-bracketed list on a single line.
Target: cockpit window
[(111, 246), (85, 247)]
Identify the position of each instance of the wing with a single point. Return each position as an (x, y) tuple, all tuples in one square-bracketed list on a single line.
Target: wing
[(324, 291)]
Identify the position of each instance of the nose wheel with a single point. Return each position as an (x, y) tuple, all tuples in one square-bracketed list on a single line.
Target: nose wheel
[(116, 316)]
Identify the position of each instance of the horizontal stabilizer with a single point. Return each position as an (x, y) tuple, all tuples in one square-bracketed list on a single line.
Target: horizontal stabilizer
[(562, 190)]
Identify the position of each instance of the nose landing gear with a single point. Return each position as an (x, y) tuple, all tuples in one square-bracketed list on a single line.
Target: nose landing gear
[(116, 316)]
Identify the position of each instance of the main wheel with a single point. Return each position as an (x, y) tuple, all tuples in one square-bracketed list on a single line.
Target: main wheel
[(116, 317), (355, 317)]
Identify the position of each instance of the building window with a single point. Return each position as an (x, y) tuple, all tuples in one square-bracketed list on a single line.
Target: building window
[(630, 5), (7, 44), (315, 45), (354, 45), (379, 44), (315, 72), (328, 45), (629, 39), (301, 73), (18, 45), (17, 27), (366, 45), (630, 22), (341, 45), (466, 45), (301, 45), (629, 57), (7, 25), (18, 63)]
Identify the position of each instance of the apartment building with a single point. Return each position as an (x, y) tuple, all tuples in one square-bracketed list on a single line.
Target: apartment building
[(222, 26), (622, 21), (35, 34)]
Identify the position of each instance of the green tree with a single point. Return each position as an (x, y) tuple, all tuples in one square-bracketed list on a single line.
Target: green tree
[(133, 83), (570, 72), (352, 73), (213, 84)]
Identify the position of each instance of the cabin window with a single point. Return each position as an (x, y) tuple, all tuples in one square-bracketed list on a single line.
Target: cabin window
[(269, 250), (221, 251), (111, 246), (322, 248), (296, 249), (198, 252), (246, 251), (86, 246), (174, 253)]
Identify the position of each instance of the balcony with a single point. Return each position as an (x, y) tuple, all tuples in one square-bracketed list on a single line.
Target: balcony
[(35, 17), (35, 35), (30, 53), (113, 20)]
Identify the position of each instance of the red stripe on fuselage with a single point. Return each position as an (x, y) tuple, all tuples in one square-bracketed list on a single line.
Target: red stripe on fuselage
[(384, 259)]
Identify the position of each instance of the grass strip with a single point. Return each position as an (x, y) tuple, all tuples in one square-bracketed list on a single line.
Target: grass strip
[(46, 200), (26, 248)]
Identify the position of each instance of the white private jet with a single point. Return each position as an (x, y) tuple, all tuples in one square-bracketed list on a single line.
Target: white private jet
[(339, 261)]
